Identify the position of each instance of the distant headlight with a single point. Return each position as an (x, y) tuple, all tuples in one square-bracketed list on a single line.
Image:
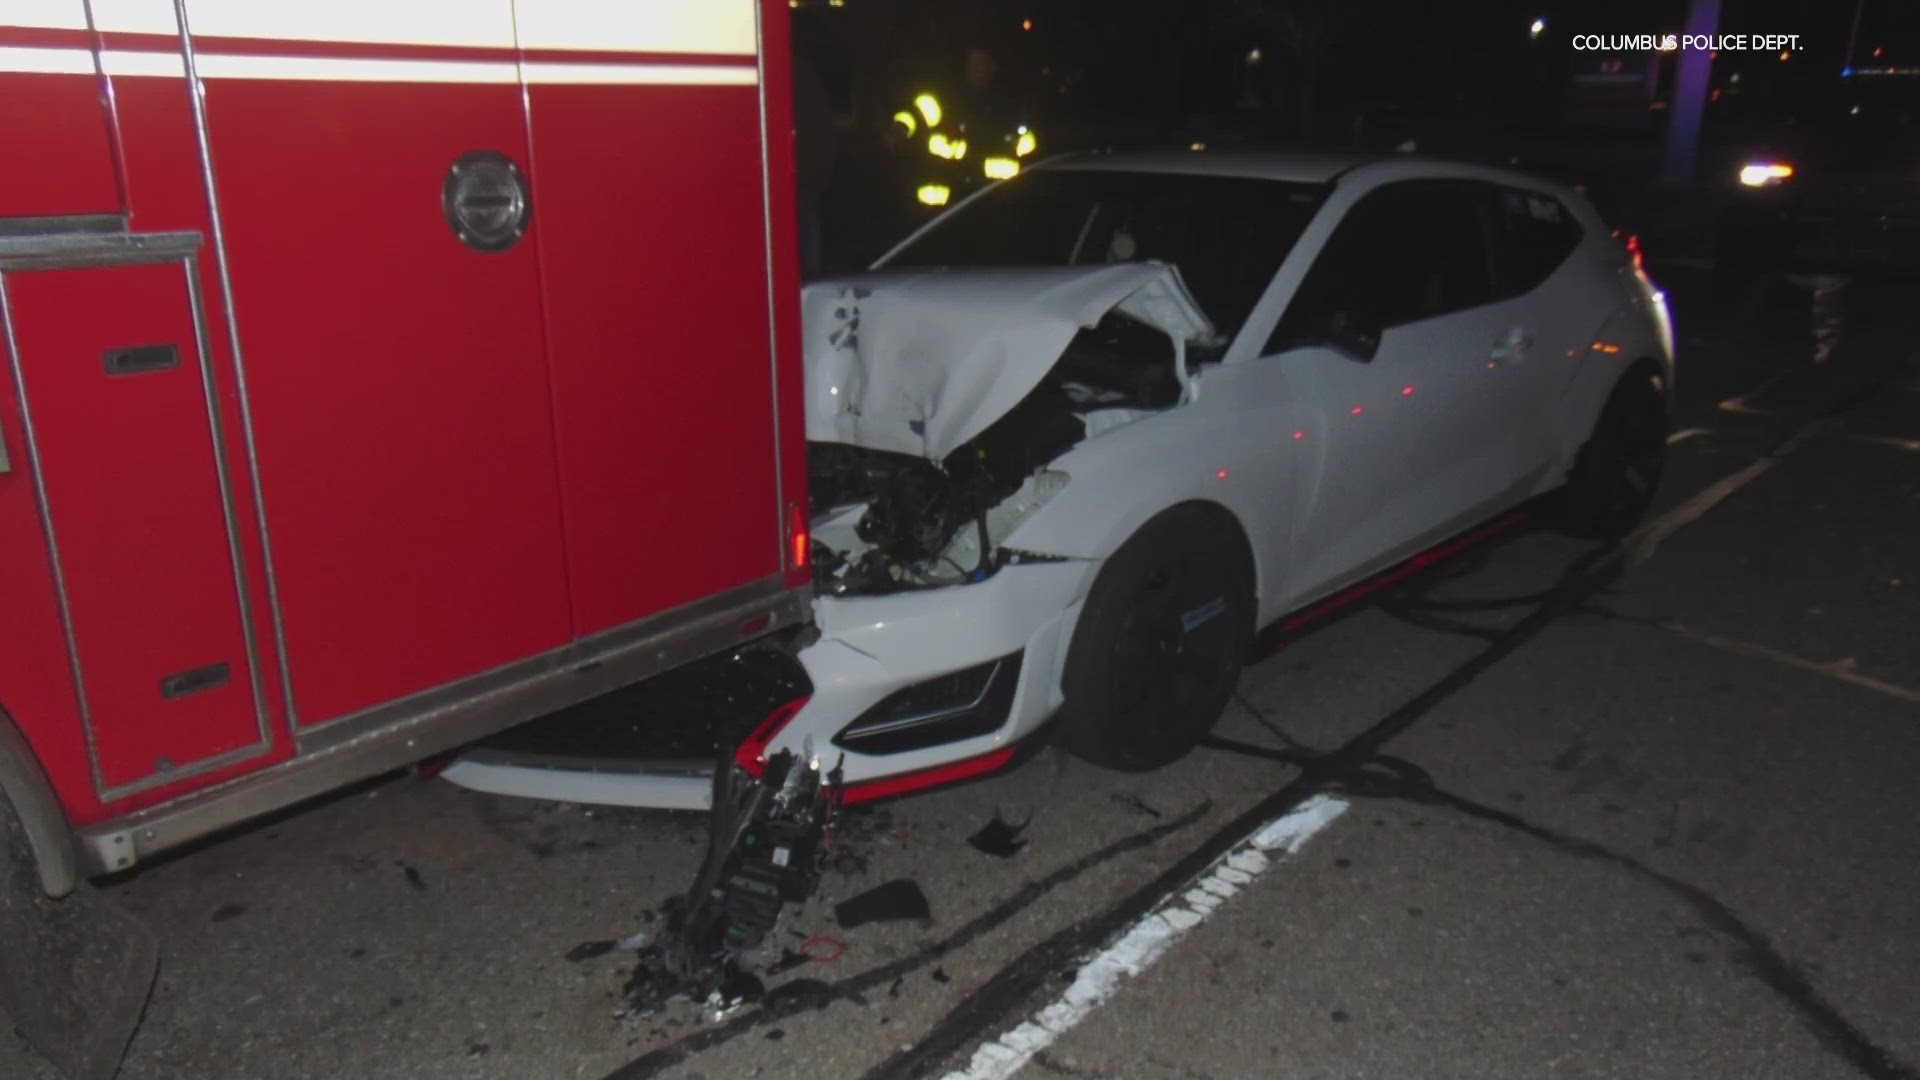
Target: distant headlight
[(1764, 173), (932, 195), (1000, 168)]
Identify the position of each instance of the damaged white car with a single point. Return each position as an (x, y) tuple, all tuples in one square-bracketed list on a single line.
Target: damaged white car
[(1077, 439)]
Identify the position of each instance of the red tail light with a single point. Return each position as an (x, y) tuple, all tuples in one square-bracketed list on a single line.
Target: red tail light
[(799, 545), (1632, 244)]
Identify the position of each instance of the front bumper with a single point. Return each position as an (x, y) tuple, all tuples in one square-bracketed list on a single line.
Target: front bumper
[(1017, 624), (872, 647)]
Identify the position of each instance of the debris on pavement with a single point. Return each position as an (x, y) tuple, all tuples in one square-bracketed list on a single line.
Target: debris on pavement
[(999, 838), (766, 837), (589, 950), (895, 901)]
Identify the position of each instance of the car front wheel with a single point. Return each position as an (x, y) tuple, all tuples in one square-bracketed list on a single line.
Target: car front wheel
[(1160, 641)]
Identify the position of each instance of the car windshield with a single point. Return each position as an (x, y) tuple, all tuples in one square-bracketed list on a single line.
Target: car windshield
[(1226, 234)]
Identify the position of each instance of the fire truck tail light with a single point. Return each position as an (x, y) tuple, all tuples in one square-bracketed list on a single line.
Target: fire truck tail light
[(800, 542)]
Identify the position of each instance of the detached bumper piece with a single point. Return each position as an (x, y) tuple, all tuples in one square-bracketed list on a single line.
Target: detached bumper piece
[(764, 848), (961, 705)]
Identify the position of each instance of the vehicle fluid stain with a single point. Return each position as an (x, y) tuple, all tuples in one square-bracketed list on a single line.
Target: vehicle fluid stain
[(226, 912)]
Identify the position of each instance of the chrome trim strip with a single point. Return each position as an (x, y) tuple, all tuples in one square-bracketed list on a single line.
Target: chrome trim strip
[(43, 225), (75, 250), (196, 93), (241, 597), (204, 765), (595, 650), (443, 719), (773, 311), (46, 531)]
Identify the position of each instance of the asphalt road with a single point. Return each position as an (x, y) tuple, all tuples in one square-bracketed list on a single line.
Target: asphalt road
[(1644, 811)]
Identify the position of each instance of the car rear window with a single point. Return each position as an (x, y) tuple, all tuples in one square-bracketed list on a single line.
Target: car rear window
[(1227, 235), (1536, 234)]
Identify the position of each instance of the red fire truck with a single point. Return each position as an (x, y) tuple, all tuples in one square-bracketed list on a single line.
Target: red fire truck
[(378, 374)]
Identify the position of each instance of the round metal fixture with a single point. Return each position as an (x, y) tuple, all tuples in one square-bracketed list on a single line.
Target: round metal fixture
[(486, 201)]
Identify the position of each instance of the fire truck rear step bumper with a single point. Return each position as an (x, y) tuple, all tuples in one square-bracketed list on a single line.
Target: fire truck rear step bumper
[(436, 721)]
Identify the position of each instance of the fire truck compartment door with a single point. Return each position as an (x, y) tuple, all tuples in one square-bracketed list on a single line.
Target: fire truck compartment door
[(653, 240), (390, 329), (137, 519)]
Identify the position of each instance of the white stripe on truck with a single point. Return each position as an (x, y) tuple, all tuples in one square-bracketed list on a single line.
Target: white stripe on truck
[(222, 66)]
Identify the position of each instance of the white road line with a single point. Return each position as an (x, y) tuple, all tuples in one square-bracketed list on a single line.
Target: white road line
[(1134, 951), (1690, 433), (1645, 541), (1842, 670)]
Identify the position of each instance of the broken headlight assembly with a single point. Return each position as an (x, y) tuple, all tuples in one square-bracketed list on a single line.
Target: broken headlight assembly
[(975, 552), (934, 545)]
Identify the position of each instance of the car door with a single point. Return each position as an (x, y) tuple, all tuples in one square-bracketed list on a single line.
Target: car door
[(1535, 234), (1395, 345)]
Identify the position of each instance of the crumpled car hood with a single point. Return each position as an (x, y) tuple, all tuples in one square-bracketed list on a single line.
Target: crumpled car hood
[(920, 362)]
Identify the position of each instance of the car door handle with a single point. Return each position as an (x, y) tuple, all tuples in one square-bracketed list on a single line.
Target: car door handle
[(1513, 346)]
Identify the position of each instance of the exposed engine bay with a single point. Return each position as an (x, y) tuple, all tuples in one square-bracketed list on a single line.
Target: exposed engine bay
[(885, 521)]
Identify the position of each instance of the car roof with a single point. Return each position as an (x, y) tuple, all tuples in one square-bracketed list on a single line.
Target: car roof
[(1299, 166), (1295, 166)]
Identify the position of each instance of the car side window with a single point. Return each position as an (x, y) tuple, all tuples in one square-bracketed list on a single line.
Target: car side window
[(1406, 251), (1536, 234)]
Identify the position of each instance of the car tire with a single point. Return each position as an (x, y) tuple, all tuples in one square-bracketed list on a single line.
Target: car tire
[(1159, 645), (1619, 467)]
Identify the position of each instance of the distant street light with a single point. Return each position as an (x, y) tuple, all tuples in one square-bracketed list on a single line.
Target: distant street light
[(1254, 56), (1026, 24), (1539, 27)]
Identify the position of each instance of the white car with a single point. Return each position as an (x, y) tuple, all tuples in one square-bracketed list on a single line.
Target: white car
[(1077, 439)]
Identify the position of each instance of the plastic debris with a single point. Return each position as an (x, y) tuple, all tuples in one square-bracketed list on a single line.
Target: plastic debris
[(1000, 839), (894, 901)]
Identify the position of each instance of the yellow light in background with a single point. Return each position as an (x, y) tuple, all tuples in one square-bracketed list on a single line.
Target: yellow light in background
[(933, 194), (929, 107), (1025, 144), (1001, 168), (940, 146), (906, 120), (1027, 24)]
